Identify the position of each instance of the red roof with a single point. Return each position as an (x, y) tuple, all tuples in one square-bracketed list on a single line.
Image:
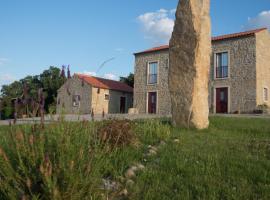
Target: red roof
[(105, 83), (236, 35), (218, 38)]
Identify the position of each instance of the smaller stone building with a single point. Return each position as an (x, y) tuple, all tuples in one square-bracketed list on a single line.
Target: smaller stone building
[(81, 94)]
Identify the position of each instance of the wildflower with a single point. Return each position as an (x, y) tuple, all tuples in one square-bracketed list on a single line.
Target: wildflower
[(71, 165), (3, 154), (41, 169), (31, 139), (81, 153), (28, 183), (19, 136)]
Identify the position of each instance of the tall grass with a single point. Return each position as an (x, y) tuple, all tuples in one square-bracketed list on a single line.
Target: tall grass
[(54, 163), (230, 160)]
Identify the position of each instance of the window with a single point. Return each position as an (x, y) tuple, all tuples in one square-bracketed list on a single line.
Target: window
[(152, 73), (222, 62), (76, 100), (107, 97), (265, 94), (98, 90)]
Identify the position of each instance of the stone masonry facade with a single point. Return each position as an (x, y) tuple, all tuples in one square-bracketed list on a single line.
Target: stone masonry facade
[(141, 88), (248, 74), (90, 98)]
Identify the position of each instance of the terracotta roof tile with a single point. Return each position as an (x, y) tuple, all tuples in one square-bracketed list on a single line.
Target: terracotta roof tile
[(236, 35), (105, 83), (217, 38)]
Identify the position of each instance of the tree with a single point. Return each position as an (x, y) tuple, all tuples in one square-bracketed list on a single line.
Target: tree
[(50, 80), (129, 80)]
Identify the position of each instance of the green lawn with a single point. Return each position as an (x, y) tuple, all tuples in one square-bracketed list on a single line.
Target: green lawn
[(230, 160)]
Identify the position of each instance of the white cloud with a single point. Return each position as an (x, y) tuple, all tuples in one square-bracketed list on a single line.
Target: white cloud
[(6, 78), (110, 76), (89, 73), (3, 61), (107, 76), (261, 20), (119, 50), (158, 26)]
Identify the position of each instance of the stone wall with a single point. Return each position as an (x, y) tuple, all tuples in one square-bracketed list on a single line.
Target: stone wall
[(263, 65), (72, 87), (141, 88), (114, 104), (99, 103), (241, 81)]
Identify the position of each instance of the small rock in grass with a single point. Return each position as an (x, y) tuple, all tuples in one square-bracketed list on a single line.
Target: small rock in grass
[(110, 185), (152, 152), (124, 192), (154, 148), (129, 182), (176, 140), (130, 173), (134, 168), (162, 143), (140, 166), (121, 179)]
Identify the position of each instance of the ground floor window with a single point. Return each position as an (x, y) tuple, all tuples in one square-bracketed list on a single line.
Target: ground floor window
[(107, 97), (76, 100)]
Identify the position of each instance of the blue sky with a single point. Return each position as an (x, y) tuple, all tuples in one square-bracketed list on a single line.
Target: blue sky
[(36, 34)]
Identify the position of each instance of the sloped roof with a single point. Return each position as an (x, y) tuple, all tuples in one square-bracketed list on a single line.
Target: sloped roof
[(240, 34), (105, 83), (217, 38)]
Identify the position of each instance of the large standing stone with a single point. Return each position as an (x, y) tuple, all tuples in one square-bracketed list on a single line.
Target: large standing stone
[(190, 49)]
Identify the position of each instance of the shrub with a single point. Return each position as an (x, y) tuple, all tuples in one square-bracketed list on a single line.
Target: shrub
[(153, 131), (117, 133), (59, 162)]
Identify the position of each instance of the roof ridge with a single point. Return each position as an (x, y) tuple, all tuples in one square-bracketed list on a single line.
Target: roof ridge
[(214, 38), (105, 83), (100, 78)]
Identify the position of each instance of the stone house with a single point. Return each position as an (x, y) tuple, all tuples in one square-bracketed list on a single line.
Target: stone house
[(81, 94), (239, 79)]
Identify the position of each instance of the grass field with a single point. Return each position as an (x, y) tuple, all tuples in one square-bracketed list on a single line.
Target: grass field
[(230, 160)]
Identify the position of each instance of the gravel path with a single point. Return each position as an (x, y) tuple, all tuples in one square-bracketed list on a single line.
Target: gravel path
[(74, 118)]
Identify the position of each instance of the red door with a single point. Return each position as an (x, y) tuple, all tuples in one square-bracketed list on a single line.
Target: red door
[(222, 100), (152, 102), (122, 104)]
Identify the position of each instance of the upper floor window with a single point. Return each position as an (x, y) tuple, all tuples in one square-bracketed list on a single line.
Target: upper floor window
[(76, 100), (152, 72), (265, 94), (222, 62)]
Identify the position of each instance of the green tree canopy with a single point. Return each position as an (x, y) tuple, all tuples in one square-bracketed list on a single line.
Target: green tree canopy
[(50, 80), (129, 80)]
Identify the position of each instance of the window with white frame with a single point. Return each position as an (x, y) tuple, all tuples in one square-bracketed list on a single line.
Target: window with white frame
[(76, 100), (265, 94), (152, 73), (222, 65)]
